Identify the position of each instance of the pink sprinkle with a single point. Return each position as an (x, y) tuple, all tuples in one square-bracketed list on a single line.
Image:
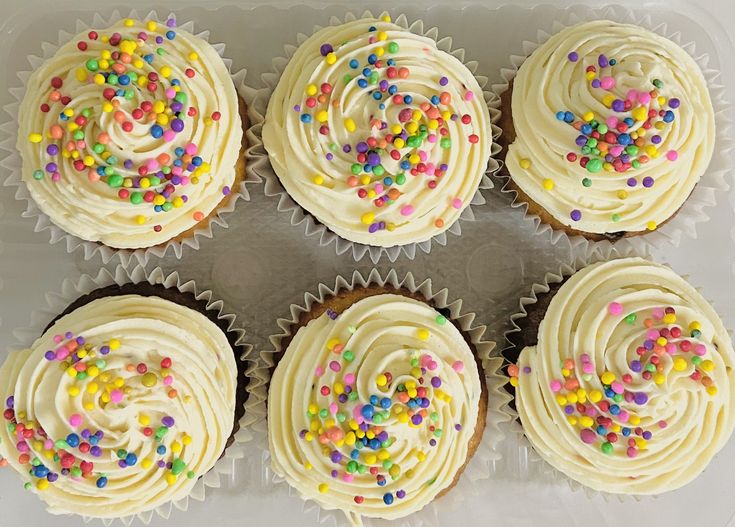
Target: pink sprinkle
[(652, 334), (555, 385), (22, 447), (431, 138), (333, 408), (662, 424), (623, 416), (379, 188), (632, 452), (672, 155), (319, 371), (334, 366), (615, 151), (168, 380), (407, 210), (169, 135), (612, 122), (457, 203), (468, 95), (458, 366), (190, 149), (349, 378), (617, 387), (152, 164), (425, 360), (62, 353), (587, 436), (75, 420), (357, 412), (184, 180), (423, 156), (588, 367), (584, 357), (591, 410), (430, 169), (670, 348), (348, 477), (116, 396), (58, 339), (607, 83), (615, 308), (433, 365), (632, 95), (644, 97), (56, 177), (700, 349), (658, 313), (170, 93), (48, 444)]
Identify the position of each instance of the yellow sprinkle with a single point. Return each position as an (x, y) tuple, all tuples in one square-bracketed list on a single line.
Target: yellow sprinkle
[(403, 418), (144, 420), (150, 25), (318, 180), (114, 344), (514, 381), (695, 326), (367, 218), (712, 390), (659, 378), (176, 447), (414, 159), (35, 138), (607, 378), (170, 478), (351, 126), (92, 371), (193, 56), (140, 220), (608, 99), (525, 163), (707, 365), (581, 395), (651, 225), (565, 372), (680, 364), (99, 79), (309, 436), (42, 484), (622, 194), (382, 36), (323, 487), (81, 74), (548, 184), (661, 341), (331, 58), (669, 318), (146, 463), (371, 459), (595, 396), (641, 443), (586, 421), (166, 71), (178, 202), (107, 106), (89, 406), (561, 400), (71, 372), (390, 227), (386, 18), (572, 420), (93, 388), (412, 126), (129, 22), (423, 334), (572, 398), (350, 438), (307, 465), (588, 116), (322, 116), (640, 113), (73, 391), (381, 380)]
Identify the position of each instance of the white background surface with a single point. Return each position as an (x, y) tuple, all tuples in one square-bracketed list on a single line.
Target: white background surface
[(261, 264)]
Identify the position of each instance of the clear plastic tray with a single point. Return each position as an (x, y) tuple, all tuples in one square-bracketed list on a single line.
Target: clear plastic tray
[(261, 264)]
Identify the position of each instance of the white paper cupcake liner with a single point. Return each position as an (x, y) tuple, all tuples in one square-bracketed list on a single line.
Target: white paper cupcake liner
[(713, 181), (531, 461), (481, 466), (312, 227), (12, 162), (256, 375)]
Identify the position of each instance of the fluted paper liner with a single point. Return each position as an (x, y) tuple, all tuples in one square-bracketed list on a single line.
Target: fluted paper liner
[(12, 162), (713, 181), (299, 216), (481, 465), (254, 382)]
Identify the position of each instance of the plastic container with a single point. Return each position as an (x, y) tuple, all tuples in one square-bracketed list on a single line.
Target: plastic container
[(262, 264)]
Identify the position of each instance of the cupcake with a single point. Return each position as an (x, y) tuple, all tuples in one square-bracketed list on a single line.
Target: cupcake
[(128, 397), (377, 133), (376, 405), (131, 136), (625, 378), (608, 128)]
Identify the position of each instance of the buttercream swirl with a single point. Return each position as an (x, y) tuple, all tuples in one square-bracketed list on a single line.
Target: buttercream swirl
[(614, 127), (379, 134), (372, 411), (129, 135), (124, 402), (629, 389)]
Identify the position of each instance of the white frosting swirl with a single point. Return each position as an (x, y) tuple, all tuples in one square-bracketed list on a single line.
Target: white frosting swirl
[(88, 205), (549, 82), (611, 322), (391, 347), (319, 161), (149, 330)]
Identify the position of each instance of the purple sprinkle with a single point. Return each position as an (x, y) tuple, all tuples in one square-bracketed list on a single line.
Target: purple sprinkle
[(361, 147), (50, 355), (625, 158), (640, 398), (52, 476), (51, 168), (576, 215), (436, 382), (373, 159), (432, 442), (656, 139), (226, 190), (68, 335), (443, 81), (161, 463), (168, 421), (647, 435), (52, 150), (184, 198), (400, 494), (618, 105), (169, 465), (104, 350), (176, 106), (10, 402), (581, 140), (648, 344), (95, 451), (326, 49), (458, 427), (381, 225), (346, 149), (648, 181), (674, 102), (632, 182), (64, 471), (609, 158), (636, 366), (85, 433), (373, 228), (159, 40), (330, 156), (302, 434), (297, 108), (573, 56), (382, 436), (596, 83), (177, 125), (383, 85), (122, 463), (171, 22), (602, 61), (336, 456), (526, 369), (128, 163), (335, 473), (443, 167), (348, 389), (80, 341)]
